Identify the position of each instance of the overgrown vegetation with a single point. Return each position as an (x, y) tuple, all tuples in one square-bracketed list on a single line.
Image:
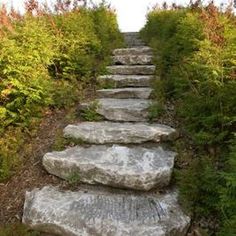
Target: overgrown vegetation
[(48, 56), (196, 47), (89, 113), (17, 230)]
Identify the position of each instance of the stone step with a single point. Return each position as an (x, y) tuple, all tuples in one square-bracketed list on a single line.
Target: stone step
[(121, 109), (120, 81), (132, 39), (117, 166), (132, 59), (113, 132), (122, 93), (133, 51), (101, 212), (131, 70)]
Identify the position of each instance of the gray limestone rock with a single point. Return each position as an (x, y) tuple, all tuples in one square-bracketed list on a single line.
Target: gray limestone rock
[(103, 213), (133, 51), (112, 132), (120, 81), (122, 93), (132, 39), (117, 166), (131, 70), (122, 109), (132, 59)]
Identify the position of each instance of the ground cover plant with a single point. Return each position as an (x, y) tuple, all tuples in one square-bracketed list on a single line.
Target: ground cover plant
[(196, 51), (48, 57)]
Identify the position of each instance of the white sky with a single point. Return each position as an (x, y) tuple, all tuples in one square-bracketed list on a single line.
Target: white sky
[(131, 13)]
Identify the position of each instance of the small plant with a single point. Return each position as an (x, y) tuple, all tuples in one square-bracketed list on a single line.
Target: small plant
[(106, 84), (155, 111), (74, 179), (90, 112), (62, 142), (11, 143)]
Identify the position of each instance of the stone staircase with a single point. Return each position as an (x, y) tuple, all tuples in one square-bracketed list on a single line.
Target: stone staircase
[(125, 154)]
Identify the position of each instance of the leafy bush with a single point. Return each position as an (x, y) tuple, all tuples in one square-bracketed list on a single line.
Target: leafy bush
[(47, 58), (196, 48)]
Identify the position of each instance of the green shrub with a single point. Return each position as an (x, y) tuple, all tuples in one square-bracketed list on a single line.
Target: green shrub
[(228, 195), (47, 59), (11, 142), (25, 85), (196, 48)]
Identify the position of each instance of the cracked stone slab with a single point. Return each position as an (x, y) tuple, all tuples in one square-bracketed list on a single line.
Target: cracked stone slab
[(120, 81), (132, 59), (117, 166), (113, 132), (133, 51), (102, 213), (131, 70), (122, 109), (122, 93)]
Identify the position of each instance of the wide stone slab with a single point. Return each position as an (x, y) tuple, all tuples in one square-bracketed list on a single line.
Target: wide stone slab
[(123, 109), (90, 213), (133, 51), (117, 166), (132, 59), (131, 70), (120, 81), (122, 93), (113, 132)]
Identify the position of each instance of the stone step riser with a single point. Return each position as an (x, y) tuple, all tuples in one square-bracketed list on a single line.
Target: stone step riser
[(119, 133), (122, 81), (125, 93), (133, 51), (103, 213), (133, 40), (132, 60), (121, 109), (131, 70), (116, 166)]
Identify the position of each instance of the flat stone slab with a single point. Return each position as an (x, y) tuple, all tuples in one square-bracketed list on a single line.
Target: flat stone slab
[(117, 166), (113, 132), (122, 93), (132, 59), (90, 213), (123, 109), (133, 51), (120, 81), (131, 70)]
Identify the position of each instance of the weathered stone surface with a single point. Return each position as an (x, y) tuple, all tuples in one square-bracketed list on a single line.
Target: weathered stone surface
[(131, 70), (132, 39), (132, 59), (123, 109), (112, 132), (90, 213), (120, 81), (118, 166), (142, 93), (133, 51)]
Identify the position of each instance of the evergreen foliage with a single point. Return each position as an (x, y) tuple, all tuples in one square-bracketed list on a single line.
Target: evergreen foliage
[(47, 58), (196, 49)]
